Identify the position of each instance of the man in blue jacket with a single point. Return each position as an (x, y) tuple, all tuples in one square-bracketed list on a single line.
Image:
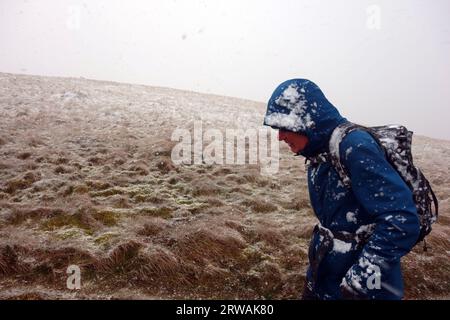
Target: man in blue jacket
[(364, 229)]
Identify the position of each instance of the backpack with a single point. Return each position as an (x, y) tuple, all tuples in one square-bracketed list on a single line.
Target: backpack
[(396, 142)]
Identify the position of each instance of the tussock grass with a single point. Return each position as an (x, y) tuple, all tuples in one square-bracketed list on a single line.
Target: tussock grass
[(164, 165), (72, 220), (21, 183), (19, 215), (120, 258), (216, 244), (24, 155), (105, 239), (9, 261), (259, 205), (153, 227), (205, 188), (108, 192), (163, 212), (106, 217), (98, 184)]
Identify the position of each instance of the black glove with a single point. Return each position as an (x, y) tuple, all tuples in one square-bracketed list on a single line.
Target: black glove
[(348, 293)]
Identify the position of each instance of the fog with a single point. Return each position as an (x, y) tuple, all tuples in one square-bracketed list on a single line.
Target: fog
[(378, 62)]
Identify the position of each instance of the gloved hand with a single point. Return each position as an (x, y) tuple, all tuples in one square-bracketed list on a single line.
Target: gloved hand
[(349, 293)]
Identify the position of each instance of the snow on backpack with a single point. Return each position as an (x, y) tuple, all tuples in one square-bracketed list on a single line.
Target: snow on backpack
[(396, 142)]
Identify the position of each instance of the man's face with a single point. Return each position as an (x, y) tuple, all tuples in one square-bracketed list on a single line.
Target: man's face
[(297, 142)]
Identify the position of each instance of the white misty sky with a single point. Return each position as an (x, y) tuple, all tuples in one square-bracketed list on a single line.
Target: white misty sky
[(377, 61)]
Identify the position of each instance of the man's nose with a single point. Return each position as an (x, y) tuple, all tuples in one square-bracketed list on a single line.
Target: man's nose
[(280, 136)]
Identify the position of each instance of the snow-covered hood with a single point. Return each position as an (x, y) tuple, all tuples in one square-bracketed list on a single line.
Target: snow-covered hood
[(298, 105)]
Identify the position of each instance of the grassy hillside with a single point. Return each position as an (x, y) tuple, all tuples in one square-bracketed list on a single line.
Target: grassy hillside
[(87, 179)]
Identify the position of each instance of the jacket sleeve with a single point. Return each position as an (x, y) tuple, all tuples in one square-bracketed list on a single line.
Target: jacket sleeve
[(388, 200)]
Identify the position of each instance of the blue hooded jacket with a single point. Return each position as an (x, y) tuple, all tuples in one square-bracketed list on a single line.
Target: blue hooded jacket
[(378, 198)]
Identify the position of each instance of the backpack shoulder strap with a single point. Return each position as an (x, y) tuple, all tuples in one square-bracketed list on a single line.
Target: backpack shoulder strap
[(339, 133)]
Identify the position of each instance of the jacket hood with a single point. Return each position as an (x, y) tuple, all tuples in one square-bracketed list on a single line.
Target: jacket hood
[(298, 105)]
